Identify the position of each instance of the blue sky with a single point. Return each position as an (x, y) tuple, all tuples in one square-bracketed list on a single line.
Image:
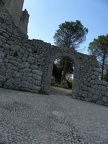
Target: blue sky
[(46, 15)]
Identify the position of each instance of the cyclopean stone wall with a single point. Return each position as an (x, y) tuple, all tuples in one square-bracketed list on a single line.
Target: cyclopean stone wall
[(27, 64), (19, 17)]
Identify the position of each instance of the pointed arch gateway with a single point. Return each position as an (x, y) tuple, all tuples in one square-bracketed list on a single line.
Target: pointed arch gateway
[(76, 84)]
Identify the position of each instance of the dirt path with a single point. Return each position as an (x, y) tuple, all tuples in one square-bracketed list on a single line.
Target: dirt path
[(60, 91)]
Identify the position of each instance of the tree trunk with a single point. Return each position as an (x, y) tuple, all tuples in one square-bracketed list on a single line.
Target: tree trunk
[(64, 69), (103, 63)]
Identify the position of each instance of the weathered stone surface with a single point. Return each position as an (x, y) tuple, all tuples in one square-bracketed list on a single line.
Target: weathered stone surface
[(105, 99), (100, 102), (2, 78)]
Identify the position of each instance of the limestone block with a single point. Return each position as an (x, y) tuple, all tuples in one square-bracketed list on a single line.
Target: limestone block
[(10, 81), (6, 60), (100, 87), (89, 89), (9, 74), (96, 73), (38, 83), (22, 51), (105, 99), (20, 55), (34, 67), (97, 82), (97, 70), (16, 47), (17, 83), (95, 97), (88, 79), (38, 72), (10, 86), (88, 99), (2, 78), (100, 102), (26, 64), (93, 90), (84, 95), (104, 88), (1, 60), (96, 87), (30, 80), (106, 93), (25, 89), (35, 87), (1, 54), (25, 55), (31, 60), (2, 70), (12, 61), (1, 84), (17, 74), (25, 84), (37, 77), (93, 77), (106, 104), (6, 35), (84, 88), (104, 83), (92, 81), (26, 70)]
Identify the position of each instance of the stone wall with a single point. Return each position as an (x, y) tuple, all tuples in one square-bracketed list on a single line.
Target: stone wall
[(27, 64), (19, 17), (23, 23)]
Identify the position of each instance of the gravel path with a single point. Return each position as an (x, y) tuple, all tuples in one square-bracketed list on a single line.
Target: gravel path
[(60, 91), (29, 118)]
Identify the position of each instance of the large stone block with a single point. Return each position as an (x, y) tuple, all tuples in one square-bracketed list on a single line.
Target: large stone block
[(2, 78), (100, 102), (105, 99), (38, 72)]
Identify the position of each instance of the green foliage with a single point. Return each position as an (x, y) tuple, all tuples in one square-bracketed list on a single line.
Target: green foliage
[(69, 83), (70, 34), (58, 68), (57, 72), (99, 48)]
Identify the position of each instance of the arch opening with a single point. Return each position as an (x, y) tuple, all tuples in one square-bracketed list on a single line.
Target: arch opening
[(76, 72), (62, 76)]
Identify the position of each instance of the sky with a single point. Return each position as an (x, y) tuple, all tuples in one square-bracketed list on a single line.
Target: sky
[(47, 15)]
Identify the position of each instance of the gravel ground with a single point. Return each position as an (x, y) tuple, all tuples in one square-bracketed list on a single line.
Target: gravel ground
[(29, 118)]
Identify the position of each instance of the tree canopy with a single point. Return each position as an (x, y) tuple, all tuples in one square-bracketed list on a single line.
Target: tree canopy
[(99, 48), (70, 34)]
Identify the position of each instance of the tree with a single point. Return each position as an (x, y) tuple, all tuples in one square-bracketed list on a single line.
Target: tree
[(59, 66), (99, 48), (70, 35), (106, 76)]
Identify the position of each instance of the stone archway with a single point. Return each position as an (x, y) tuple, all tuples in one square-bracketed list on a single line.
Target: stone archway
[(76, 84)]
